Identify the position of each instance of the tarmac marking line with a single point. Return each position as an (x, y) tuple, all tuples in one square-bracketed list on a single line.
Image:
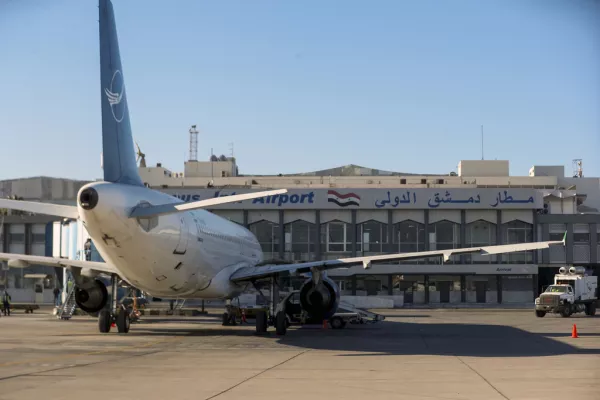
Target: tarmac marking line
[(257, 374), (73, 366), (91, 353), (482, 377)]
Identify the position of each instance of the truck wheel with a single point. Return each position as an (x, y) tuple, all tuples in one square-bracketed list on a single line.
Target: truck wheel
[(540, 313), (336, 323), (590, 309), (566, 311)]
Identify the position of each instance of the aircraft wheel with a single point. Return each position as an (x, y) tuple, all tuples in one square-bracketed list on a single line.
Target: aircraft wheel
[(123, 321), (280, 323), (104, 321), (261, 322)]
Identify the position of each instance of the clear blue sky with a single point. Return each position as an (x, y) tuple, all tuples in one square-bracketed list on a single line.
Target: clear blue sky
[(300, 86)]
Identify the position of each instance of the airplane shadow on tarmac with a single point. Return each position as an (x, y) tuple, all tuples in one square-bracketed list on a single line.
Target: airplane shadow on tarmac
[(388, 338)]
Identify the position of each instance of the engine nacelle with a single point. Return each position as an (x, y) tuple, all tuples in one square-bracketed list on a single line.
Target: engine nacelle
[(92, 296), (320, 302)]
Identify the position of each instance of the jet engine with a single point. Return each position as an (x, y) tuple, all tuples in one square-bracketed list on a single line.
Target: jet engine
[(92, 296), (322, 301)]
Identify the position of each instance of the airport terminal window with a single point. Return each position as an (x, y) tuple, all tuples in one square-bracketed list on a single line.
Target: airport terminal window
[(371, 236), (480, 233), (444, 235), (335, 237), (300, 240), (267, 234), (579, 237), (38, 238), (16, 237), (556, 236), (410, 236), (518, 232)]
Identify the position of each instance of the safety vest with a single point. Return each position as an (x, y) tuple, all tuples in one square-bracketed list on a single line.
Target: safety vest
[(6, 298)]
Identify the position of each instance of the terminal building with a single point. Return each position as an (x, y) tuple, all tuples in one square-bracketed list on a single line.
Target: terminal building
[(353, 211)]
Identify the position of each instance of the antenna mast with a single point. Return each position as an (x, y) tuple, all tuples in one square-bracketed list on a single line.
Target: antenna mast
[(193, 143), (482, 142), (578, 168)]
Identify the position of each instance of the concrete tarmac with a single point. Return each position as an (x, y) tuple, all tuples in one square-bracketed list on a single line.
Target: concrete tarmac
[(414, 354)]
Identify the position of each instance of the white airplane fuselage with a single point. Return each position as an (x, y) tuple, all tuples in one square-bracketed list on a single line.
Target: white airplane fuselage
[(188, 254)]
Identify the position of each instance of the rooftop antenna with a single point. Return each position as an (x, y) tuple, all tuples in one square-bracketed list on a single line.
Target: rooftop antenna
[(482, 142), (578, 168), (193, 143)]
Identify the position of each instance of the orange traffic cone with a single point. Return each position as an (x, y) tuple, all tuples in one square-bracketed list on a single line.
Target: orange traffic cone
[(574, 332), (324, 324)]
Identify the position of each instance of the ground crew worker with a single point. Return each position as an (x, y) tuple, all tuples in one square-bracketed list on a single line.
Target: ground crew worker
[(6, 302), (56, 298), (88, 249)]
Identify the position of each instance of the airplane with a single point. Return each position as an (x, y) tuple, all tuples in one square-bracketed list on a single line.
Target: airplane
[(167, 248)]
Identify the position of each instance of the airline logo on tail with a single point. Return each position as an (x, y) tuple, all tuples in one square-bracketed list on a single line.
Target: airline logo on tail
[(114, 95)]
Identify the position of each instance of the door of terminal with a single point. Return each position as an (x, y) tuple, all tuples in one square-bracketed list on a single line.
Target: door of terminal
[(480, 290), (444, 288)]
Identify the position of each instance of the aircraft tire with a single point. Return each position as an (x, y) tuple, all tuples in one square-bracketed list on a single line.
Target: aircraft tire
[(123, 322), (104, 321), (225, 319), (280, 323)]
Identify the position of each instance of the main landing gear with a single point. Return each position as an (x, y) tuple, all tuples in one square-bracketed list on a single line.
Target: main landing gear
[(117, 315), (276, 317)]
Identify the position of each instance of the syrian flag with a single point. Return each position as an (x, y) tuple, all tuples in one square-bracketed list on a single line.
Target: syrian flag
[(343, 200)]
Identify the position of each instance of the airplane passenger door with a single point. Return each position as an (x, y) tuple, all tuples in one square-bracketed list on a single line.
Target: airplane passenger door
[(183, 237)]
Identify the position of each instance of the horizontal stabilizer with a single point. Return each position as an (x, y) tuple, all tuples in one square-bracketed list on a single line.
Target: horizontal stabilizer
[(171, 208), (40, 208)]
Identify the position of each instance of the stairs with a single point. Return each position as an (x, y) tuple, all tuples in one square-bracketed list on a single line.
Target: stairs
[(67, 309)]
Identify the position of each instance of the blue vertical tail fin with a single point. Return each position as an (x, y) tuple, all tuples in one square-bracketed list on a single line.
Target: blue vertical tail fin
[(117, 142)]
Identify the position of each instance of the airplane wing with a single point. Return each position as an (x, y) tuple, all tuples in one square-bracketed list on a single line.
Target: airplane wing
[(179, 207), (23, 261), (41, 208), (264, 271)]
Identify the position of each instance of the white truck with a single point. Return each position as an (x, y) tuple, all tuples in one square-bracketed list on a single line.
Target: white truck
[(573, 291)]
